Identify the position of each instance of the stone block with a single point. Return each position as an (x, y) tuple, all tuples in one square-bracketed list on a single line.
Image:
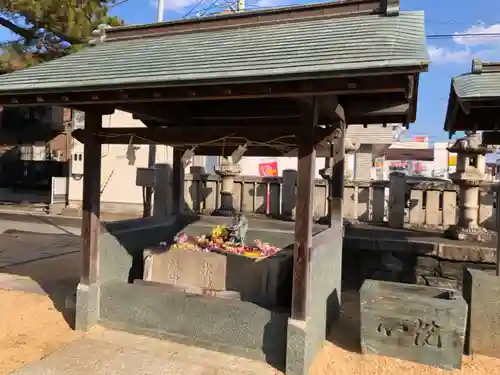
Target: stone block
[(413, 322), (482, 292), (259, 281)]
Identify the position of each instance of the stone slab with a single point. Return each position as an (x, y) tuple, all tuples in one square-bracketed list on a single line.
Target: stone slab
[(261, 281), (413, 322), (482, 292), (221, 324), (106, 352)]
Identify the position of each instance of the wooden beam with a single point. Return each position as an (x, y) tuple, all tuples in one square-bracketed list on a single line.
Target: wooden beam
[(377, 84), (153, 112), (273, 150), (491, 138), (91, 223), (194, 135), (304, 212), (479, 119), (214, 110), (328, 107), (101, 109), (373, 108), (178, 182), (336, 186)]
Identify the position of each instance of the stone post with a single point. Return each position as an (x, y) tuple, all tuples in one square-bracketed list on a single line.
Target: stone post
[(227, 171), (397, 200), (471, 161), (289, 193), (350, 148)]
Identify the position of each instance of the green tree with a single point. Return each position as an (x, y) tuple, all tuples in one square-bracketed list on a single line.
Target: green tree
[(46, 29)]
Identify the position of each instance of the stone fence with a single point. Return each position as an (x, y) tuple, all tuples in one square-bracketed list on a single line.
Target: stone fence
[(399, 202)]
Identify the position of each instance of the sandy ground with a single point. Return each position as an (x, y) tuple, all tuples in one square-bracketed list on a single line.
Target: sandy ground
[(340, 355), (31, 327)]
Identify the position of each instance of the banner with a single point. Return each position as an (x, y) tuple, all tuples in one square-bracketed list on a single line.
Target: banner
[(452, 160), (269, 169)]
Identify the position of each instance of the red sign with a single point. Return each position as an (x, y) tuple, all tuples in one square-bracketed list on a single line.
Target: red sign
[(268, 169), (420, 138)]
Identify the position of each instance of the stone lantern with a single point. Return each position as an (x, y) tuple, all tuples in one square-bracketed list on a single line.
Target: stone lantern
[(471, 165), (227, 170)]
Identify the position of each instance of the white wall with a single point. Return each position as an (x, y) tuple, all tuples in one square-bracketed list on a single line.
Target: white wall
[(118, 175), (441, 155)]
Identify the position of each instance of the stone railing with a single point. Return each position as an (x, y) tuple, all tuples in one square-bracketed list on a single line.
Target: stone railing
[(399, 202)]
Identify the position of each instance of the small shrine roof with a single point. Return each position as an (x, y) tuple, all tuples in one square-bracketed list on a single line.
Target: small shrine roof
[(474, 100)]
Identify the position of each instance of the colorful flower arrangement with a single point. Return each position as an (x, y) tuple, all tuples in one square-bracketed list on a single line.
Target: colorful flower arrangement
[(219, 241)]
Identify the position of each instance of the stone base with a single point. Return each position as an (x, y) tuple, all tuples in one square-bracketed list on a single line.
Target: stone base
[(482, 293), (455, 232), (193, 290), (297, 359), (87, 306), (221, 324), (224, 212), (416, 323)]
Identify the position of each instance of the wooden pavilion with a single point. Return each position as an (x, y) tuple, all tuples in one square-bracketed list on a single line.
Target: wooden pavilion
[(277, 80), (474, 106)]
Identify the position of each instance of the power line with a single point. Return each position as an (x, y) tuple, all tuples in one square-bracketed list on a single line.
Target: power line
[(118, 4), (460, 35), (193, 8)]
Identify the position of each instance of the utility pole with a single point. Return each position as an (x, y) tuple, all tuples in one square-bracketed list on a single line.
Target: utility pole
[(148, 201)]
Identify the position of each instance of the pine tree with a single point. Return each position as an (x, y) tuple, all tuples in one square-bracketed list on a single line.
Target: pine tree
[(47, 29)]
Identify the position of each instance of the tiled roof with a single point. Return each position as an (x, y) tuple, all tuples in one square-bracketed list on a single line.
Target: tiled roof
[(316, 46)]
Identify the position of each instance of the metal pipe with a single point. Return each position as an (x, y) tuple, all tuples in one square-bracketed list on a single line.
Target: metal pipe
[(160, 11)]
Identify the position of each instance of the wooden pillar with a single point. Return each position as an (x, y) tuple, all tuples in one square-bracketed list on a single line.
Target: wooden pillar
[(88, 293), (178, 182), (304, 211), (336, 182), (91, 222)]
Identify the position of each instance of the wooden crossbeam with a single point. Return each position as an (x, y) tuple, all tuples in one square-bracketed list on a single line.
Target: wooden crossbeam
[(377, 84), (195, 135)]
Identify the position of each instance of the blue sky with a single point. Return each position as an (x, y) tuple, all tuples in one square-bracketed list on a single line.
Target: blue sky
[(450, 56)]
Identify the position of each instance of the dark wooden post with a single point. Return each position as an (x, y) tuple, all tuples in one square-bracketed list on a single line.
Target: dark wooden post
[(87, 304), (178, 182), (336, 181), (304, 211)]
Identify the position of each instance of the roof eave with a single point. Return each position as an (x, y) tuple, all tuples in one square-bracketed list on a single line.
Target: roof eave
[(354, 73)]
